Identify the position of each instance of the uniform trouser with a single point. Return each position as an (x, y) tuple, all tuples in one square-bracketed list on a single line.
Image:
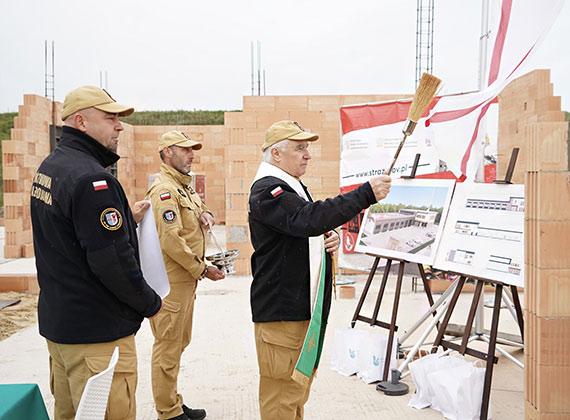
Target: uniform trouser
[(72, 364), (172, 330), (278, 346)]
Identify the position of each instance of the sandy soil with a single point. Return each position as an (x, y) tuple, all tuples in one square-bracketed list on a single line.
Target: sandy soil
[(15, 317)]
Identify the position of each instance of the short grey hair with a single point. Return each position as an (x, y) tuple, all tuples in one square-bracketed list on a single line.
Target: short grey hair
[(282, 145)]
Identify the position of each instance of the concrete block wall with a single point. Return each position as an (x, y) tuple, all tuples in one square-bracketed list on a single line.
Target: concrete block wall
[(530, 118), (245, 133)]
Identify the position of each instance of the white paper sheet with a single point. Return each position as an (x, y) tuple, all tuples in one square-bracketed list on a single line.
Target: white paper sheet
[(150, 253)]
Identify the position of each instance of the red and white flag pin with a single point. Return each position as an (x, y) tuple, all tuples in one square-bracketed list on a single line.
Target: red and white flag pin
[(100, 185), (276, 191), (164, 196)]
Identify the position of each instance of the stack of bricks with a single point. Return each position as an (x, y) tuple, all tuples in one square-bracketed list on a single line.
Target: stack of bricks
[(28, 146), (532, 120), (526, 101), (244, 135)]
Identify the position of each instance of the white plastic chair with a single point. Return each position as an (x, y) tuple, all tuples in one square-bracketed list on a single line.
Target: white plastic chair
[(93, 403)]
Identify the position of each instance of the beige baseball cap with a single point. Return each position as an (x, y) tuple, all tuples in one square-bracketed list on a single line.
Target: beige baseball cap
[(177, 138), (92, 97), (286, 129)]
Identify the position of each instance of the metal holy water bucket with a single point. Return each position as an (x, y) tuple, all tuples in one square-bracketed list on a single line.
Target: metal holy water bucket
[(224, 260)]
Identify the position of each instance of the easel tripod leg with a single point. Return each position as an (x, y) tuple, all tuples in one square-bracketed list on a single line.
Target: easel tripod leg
[(471, 317), (427, 289), (381, 292), (518, 309), (365, 291), (491, 352), (393, 321)]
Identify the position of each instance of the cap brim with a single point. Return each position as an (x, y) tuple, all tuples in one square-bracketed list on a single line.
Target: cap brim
[(115, 108), (304, 136), (189, 143)]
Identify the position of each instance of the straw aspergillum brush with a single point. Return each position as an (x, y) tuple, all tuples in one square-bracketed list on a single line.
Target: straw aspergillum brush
[(424, 94)]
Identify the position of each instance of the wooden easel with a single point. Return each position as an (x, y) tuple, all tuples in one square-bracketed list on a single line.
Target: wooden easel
[(392, 327), (489, 357)]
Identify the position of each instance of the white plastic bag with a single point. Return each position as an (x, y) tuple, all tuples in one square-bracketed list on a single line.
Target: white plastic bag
[(419, 369), (346, 350), (459, 391), (471, 397), (373, 356)]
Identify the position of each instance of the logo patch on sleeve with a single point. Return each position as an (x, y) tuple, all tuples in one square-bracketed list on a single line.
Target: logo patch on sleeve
[(169, 216), (164, 196), (276, 191), (111, 219), (100, 185)]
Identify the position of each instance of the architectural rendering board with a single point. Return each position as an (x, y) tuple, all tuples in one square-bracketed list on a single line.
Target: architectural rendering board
[(408, 223), (484, 233)]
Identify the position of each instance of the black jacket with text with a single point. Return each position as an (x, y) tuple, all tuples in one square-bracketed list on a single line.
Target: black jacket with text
[(91, 285), (280, 227)]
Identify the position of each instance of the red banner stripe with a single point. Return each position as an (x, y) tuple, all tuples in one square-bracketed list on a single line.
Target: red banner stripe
[(360, 117), (500, 41), (473, 138)]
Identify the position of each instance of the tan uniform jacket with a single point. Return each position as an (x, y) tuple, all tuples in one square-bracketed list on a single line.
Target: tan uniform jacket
[(177, 209)]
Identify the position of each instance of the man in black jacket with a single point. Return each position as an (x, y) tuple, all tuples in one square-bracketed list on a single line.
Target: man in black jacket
[(93, 296), (293, 237)]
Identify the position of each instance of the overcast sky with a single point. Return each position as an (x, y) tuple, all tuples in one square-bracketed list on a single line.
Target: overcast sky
[(196, 54)]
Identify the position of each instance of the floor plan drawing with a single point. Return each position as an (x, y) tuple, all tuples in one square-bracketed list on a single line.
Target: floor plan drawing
[(484, 233)]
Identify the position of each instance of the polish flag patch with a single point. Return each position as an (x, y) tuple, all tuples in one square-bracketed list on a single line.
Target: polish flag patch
[(276, 191), (164, 196), (100, 185)]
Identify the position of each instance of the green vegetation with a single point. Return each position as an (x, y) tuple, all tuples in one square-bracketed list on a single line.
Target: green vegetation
[(6, 124), (176, 118), (567, 116), (395, 208)]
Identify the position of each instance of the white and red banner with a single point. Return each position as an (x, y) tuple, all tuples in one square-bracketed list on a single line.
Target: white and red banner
[(455, 129), (458, 121), (371, 134)]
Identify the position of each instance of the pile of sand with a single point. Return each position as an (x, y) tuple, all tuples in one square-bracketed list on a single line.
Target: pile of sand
[(15, 317)]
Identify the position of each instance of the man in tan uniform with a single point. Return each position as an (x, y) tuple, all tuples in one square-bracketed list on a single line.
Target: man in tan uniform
[(181, 219)]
